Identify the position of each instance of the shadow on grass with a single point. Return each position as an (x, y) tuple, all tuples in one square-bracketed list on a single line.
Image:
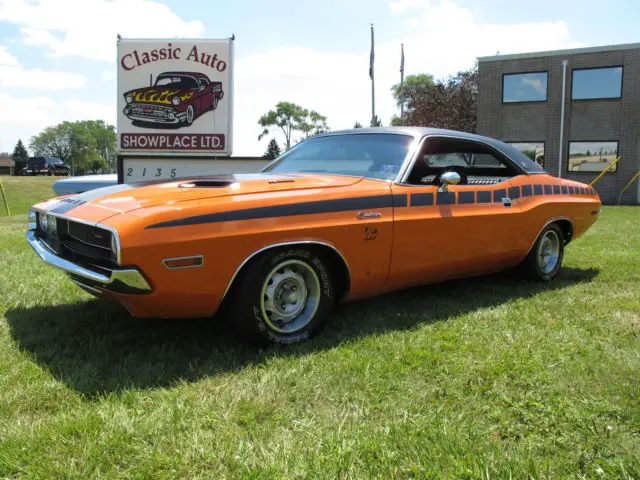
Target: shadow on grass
[(96, 348)]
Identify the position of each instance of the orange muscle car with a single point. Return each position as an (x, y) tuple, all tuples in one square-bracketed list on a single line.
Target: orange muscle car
[(341, 216)]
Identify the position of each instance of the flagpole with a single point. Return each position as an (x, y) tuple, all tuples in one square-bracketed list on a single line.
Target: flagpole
[(401, 80), (373, 85)]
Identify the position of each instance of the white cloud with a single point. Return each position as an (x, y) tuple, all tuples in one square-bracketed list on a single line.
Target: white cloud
[(108, 75), (14, 75), (39, 79), (6, 58), (23, 117), (54, 25)]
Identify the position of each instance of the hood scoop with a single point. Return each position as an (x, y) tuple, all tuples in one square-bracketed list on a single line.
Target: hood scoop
[(207, 184)]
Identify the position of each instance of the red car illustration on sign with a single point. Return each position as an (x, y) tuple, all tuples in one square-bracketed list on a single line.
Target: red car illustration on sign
[(176, 99)]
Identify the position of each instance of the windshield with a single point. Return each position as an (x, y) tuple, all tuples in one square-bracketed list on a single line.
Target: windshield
[(374, 155), (176, 82)]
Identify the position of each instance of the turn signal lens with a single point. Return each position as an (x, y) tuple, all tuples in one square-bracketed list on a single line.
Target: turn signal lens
[(184, 262)]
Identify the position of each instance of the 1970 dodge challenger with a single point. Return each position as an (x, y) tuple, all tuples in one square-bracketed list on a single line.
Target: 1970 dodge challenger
[(341, 216)]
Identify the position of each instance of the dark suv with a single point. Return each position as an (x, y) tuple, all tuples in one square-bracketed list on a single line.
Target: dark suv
[(46, 166)]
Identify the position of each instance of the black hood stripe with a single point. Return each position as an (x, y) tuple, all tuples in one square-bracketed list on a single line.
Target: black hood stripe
[(306, 208)]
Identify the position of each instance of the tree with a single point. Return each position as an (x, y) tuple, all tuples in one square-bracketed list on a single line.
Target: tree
[(450, 103), (88, 146), (314, 124), (414, 86), (376, 122), (20, 156), (291, 118), (273, 150), (357, 125)]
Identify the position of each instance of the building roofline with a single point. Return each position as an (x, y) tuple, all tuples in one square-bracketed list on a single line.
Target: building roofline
[(554, 53)]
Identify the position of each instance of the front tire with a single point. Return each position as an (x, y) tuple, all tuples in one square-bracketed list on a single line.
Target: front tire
[(545, 258), (190, 116), (283, 296)]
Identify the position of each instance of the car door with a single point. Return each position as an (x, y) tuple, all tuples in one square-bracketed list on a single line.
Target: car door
[(460, 230)]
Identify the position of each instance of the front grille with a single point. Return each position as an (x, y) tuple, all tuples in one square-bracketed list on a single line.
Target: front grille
[(80, 243), (85, 250), (151, 111), (87, 234)]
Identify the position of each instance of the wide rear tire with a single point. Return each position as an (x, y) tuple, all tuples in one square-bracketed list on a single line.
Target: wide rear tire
[(544, 261), (283, 296)]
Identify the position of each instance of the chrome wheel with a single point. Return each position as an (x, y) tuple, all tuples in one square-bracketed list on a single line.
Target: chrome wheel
[(290, 296), (548, 252), (190, 114)]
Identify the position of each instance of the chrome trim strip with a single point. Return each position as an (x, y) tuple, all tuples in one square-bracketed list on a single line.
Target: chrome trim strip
[(554, 219), (113, 231), (201, 257), (286, 244), (130, 277)]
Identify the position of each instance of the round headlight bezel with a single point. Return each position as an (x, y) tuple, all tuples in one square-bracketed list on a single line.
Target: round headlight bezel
[(176, 100), (129, 98)]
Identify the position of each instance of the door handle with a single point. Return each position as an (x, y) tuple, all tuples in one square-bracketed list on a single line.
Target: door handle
[(365, 215)]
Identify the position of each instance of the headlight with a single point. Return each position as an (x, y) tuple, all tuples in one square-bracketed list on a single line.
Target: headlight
[(44, 222), (128, 98), (176, 100)]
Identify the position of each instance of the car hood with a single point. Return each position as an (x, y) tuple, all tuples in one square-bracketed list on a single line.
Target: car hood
[(160, 95), (99, 204)]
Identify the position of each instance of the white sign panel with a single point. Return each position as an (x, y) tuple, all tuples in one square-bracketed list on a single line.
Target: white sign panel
[(175, 97)]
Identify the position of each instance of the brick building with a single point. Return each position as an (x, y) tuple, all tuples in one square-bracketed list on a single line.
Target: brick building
[(521, 102)]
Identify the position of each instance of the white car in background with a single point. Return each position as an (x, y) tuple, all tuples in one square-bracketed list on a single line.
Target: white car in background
[(84, 183)]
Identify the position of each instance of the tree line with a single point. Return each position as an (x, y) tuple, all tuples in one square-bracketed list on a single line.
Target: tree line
[(88, 146)]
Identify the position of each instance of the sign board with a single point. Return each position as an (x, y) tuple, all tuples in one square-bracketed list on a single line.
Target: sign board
[(175, 101)]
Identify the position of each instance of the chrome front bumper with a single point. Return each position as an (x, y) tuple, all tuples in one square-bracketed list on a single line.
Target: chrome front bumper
[(127, 280)]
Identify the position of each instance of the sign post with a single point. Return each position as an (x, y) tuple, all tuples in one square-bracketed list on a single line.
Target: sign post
[(175, 107)]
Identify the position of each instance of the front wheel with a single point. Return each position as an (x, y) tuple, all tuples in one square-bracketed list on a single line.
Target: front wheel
[(190, 116), (545, 258), (284, 296)]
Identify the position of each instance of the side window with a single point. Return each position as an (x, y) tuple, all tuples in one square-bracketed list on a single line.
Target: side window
[(474, 162)]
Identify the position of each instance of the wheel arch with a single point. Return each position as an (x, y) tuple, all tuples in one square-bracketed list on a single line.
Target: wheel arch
[(337, 259), (565, 224)]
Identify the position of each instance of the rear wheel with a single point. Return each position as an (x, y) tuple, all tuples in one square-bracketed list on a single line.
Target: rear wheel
[(283, 296), (545, 258)]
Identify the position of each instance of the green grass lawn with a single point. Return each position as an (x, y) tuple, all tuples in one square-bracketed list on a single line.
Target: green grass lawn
[(22, 192), (491, 377)]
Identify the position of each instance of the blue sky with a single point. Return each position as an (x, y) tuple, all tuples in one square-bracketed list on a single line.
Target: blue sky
[(55, 67)]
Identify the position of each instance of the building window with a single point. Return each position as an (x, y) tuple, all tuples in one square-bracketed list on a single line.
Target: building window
[(524, 87), (533, 150), (591, 83), (592, 156)]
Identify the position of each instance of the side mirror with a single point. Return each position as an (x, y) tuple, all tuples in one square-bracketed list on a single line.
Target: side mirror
[(449, 178)]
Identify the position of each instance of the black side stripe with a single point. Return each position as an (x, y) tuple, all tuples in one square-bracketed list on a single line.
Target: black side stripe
[(466, 197), (306, 208), (400, 200), (66, 205), (421, 199), (446, 198)]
